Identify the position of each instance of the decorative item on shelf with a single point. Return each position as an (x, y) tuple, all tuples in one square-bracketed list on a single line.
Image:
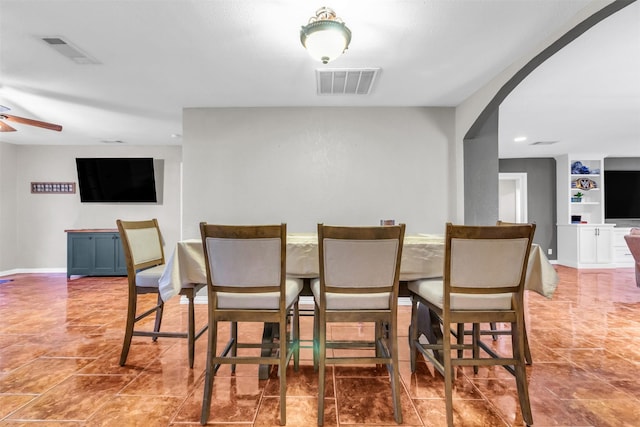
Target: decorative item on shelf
[(577, 198), (577, 168), (585, 184)]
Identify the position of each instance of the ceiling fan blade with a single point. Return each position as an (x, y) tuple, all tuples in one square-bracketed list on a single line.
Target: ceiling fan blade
[(31, 122), (6, 128)]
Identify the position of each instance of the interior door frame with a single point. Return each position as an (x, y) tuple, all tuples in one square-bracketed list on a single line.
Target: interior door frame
[(520, 180)]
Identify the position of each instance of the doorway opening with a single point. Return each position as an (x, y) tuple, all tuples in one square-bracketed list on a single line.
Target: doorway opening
[(512, 197)]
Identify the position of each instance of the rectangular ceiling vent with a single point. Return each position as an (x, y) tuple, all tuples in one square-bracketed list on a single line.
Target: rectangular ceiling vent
[(544, 142), (65, 48), (347, 81)]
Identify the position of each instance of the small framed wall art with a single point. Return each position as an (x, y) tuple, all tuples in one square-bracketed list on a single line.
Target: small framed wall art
[(53, 187)]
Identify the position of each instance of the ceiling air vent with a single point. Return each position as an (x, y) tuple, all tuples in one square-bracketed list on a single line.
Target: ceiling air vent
[(346, 81), (544, 142), (64, 48)]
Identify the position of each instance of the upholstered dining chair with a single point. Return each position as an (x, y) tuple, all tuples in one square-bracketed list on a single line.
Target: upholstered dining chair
[(633, 242), (494, 331), (247, 282), (359, 279), (484, 275), (144, 254)]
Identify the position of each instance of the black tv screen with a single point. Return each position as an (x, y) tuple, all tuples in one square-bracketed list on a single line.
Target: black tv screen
[(622, 194), (104, 180)]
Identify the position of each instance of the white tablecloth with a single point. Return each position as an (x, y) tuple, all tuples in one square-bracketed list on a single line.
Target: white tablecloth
[(422, 257)]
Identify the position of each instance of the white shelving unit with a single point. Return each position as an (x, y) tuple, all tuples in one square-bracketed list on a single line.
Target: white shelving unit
[(591, 184), (584, 240)]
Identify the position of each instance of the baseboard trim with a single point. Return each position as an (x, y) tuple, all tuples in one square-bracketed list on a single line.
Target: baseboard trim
[(33, 271)]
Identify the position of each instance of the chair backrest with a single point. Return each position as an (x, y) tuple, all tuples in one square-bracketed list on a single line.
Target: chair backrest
[(245, 258), (486, 259), (142, 244), (633, 243), (360, 259), (505, 223)]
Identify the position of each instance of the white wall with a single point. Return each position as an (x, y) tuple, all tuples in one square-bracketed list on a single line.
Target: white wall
[(40, 219), (8, 212), (349, 166)]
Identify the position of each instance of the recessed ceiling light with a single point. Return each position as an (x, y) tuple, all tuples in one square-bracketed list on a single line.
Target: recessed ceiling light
[(520, 139), (176, 135)]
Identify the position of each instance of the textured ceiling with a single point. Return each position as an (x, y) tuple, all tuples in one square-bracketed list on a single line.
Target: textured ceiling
[(158, 57), (586, 97)]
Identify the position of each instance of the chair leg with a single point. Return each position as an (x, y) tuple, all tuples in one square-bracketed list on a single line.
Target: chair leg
[(159, 310), (210, 371), (413, 334), (460, 333), (295, 328), (517, 342), (379, 327), (437, 334), (191, 332), (322, 352), (475, 344), (448, 370), (234, 343), (395, 376), (282, 369), (493, 327), (527, 349), (316, 334), (128, 333)]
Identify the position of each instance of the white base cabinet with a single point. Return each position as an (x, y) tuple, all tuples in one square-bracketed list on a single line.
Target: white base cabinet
[(621, 254), (586, 245)]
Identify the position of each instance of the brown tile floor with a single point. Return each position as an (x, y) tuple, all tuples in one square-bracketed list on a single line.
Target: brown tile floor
[(60, 342)]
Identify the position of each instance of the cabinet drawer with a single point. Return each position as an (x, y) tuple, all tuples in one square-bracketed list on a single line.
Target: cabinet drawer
[(622, 255), (618, 236)]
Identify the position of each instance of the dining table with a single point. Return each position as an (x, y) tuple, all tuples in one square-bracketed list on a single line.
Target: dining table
[(422, 258)]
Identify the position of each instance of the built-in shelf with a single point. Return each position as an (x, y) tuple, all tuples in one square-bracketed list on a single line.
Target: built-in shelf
[(584, 241)]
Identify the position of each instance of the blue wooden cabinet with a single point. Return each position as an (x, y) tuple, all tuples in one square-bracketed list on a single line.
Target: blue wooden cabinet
[(95, 253)]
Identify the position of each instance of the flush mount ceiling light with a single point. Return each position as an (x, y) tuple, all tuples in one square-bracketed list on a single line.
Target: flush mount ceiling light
[(325, 36)]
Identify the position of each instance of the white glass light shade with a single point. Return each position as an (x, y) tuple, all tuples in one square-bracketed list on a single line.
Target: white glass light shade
[(326, 43), (325, 37)]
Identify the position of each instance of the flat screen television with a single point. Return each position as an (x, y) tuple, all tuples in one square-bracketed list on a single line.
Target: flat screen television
[(116, 180), (621, 194)]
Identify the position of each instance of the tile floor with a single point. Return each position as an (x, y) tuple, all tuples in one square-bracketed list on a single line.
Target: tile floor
[(60, 342)]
